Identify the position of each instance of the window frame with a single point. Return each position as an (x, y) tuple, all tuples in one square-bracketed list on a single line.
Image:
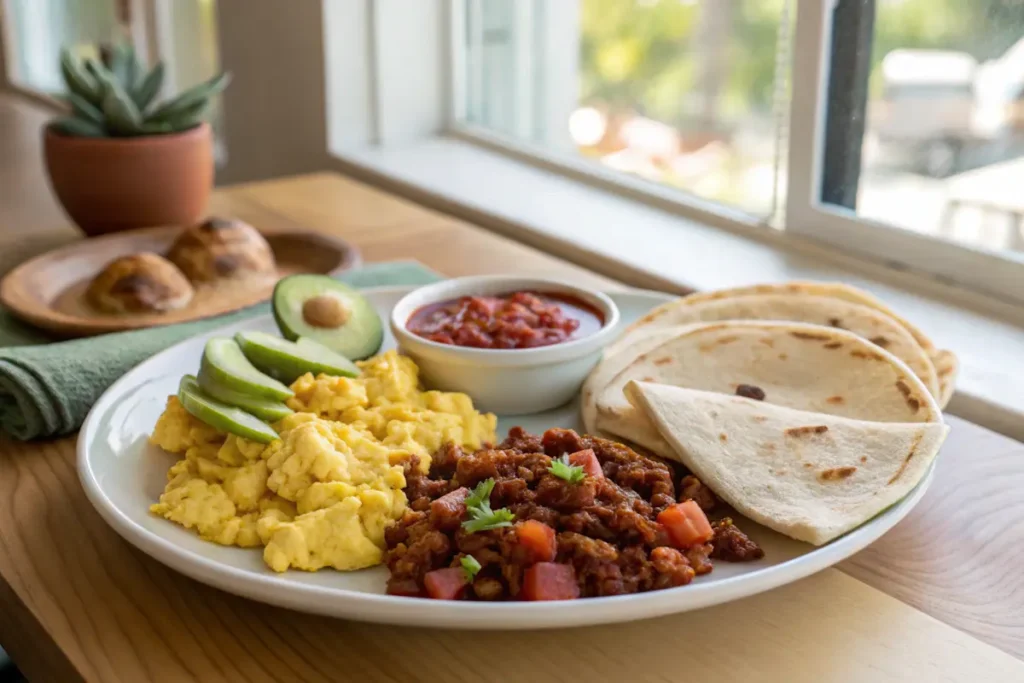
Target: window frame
[(392, 84), (807, 216)]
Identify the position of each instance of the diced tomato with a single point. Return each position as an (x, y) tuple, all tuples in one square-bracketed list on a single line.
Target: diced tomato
[(445, 584), (686, 524), (587, 459), (538, 538), (550, 581), (450, 505)]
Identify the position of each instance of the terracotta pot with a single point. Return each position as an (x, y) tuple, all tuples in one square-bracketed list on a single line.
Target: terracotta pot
[(112, 184)]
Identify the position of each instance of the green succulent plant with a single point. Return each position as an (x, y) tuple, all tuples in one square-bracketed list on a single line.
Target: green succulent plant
[(118, 97)]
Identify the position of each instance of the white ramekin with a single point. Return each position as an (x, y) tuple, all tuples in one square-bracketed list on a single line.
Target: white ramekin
[(505, 381)]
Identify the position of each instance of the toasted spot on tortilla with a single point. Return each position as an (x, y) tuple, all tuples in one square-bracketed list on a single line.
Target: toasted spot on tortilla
[(767, 341), (906, 460), (799, 334), (664, 361), (750, 391), (863, 458), (914, 404), (588, 394), (880, 341), (835, 322), (835, 400), (808, 465), (723, 437), (806, 431), (760, 418), (721, 341), (647, 379), (768, 447), (836, 473), (834, 345), (858, 353), (642, 357), (783, 356)]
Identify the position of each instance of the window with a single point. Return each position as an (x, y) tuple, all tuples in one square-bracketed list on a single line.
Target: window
[(37, 29), (685, 93), (941, 148), (182, 33), (892, 129)]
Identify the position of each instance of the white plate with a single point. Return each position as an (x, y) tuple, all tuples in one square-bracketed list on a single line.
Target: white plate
[(122, 475)]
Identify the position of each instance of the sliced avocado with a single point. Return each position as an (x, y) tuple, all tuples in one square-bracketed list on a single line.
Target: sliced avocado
[(220, 415), (263, 408), (325, 310), (224, 361), (288, 360)]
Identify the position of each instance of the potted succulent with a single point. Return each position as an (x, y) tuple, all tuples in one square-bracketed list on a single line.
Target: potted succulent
[(122, 159)]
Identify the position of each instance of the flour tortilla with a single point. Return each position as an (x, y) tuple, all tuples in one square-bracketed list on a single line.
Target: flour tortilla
[(947, 367), (870, 323), (667, 313), (662, 315), (809, 476), (807, 367)]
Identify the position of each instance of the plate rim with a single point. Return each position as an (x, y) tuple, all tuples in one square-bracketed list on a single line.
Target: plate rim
[(336, 602)]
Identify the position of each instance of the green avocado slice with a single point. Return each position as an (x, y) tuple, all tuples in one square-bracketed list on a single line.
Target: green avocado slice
[(263, 408), (320, 308), (224, 361), (220, 415), (287, 360)]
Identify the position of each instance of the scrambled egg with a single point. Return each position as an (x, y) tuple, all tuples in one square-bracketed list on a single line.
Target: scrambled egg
[(323, 494)]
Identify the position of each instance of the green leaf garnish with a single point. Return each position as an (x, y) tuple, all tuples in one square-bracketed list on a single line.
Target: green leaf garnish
[(481, 494), (560, 467), (470, 567), (478, 508)]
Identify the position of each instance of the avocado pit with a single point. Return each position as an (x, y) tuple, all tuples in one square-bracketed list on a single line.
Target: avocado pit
[(325, 311)]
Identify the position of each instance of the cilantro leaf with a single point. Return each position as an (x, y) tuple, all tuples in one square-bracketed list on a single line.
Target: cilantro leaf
[(488, 519), (481, 494), (478, 508), (560, 467), (470, 567)]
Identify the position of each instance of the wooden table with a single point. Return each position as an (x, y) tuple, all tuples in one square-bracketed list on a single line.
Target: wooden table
[(940, 598)]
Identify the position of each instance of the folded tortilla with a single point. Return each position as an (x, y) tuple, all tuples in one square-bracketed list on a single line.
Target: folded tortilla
[(807, 367), (678, 312), (810, 476)]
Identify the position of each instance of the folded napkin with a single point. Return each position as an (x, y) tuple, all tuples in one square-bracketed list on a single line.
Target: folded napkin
[(46, 390)]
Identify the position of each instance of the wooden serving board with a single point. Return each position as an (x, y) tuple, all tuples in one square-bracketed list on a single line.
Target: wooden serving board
[(48, 291)]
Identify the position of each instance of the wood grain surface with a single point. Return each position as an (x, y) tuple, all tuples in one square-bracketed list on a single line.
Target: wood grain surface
[(938, 599)]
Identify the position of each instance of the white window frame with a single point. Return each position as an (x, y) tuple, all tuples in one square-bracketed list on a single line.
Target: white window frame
[(394, 78), (808, 216)]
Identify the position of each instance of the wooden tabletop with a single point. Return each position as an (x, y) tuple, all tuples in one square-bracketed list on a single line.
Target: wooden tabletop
[(940, 598)]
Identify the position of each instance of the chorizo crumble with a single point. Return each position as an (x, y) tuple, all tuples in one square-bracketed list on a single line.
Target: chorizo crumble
[(612, 531)]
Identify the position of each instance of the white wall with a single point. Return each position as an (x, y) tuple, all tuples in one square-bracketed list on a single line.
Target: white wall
[(275, 109)]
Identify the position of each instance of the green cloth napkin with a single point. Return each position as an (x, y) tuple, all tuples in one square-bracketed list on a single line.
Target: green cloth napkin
[(47, 390)]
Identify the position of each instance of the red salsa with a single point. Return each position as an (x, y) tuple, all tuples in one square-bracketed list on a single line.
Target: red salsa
[(520, 320)]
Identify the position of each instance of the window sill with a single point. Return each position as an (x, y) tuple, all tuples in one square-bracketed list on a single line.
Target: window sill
[(646, 246)]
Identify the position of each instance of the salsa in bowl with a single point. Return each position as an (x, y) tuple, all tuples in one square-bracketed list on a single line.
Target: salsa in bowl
[(515, 345), (518, 320)]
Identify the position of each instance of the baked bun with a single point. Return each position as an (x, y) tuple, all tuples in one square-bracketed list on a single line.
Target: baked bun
[(221, 248), (140, 283)]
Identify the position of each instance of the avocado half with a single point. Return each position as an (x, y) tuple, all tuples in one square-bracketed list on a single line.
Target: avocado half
[(320, 308)]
